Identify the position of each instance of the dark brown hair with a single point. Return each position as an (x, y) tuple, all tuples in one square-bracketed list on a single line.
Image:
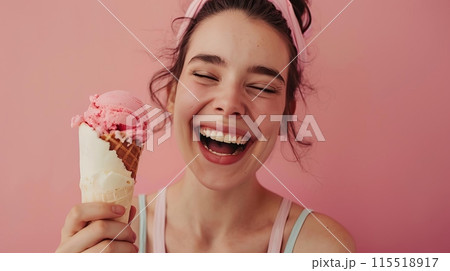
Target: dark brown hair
[(258, 9)]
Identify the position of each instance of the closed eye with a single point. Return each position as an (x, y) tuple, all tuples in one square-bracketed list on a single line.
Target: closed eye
[(204, 76), (268, 90)]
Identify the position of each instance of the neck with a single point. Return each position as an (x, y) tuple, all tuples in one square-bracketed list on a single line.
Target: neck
[(216, 212)]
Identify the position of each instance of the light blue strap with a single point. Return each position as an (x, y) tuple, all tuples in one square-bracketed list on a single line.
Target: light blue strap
[(142, 224), (296, 230)]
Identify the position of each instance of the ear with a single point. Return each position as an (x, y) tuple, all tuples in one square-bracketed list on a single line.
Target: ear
[(171, 89)]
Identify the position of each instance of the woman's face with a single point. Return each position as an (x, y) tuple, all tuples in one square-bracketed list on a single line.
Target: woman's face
[(230, 58)]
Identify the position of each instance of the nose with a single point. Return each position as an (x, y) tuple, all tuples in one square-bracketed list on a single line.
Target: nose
[(230, 101)]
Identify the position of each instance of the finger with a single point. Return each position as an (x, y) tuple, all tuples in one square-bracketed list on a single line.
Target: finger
[(132, 213), (97, 231), (81, 214), (107, 246)]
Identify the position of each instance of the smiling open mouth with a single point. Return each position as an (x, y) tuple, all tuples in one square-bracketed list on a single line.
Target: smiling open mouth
[(222, 144)]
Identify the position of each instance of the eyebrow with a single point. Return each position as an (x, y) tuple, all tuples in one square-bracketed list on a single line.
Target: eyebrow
[(267, 71), (217, 60), (212, 59)]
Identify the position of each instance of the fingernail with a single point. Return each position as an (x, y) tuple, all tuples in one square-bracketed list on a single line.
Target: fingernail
[(118, 209)]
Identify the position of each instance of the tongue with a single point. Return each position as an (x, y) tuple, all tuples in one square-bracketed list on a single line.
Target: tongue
[(221, 147)]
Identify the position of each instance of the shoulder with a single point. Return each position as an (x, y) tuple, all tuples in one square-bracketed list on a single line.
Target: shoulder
[(321, 233)]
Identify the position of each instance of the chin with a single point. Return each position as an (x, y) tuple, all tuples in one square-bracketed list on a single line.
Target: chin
[(217, 180)]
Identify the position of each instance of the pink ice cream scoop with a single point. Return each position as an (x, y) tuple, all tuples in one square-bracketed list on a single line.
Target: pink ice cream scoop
[(116, 110)]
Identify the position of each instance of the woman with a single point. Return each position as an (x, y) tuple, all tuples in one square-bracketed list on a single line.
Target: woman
[(230, 61)]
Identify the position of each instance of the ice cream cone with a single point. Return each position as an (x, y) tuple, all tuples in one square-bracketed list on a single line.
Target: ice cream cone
[(111, 137), (108, 167)]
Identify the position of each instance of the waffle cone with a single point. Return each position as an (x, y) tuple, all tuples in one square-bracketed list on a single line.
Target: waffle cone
[(129, 153), (122, 196), (108, 166)]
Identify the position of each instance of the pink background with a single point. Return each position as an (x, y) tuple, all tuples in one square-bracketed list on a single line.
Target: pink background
[(381, 74)]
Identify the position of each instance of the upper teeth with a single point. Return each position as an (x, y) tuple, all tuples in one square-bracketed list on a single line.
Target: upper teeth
[(221, 137)]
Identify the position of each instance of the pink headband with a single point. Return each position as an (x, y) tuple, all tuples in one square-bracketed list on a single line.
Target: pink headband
[(284, 6)]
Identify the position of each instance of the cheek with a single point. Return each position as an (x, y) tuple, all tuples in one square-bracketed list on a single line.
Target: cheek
[(186, 99), (270, 129), (190, 98), (191, 87), (269, 107)]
